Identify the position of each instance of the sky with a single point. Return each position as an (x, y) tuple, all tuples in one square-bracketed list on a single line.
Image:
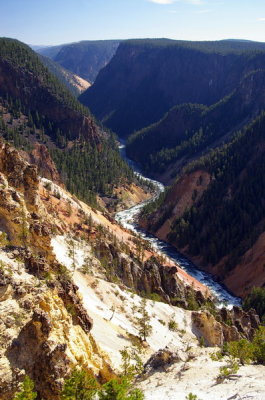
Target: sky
[(52, 22)]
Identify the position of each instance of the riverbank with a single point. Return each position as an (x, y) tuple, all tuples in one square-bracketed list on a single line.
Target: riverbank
[(128, 219)]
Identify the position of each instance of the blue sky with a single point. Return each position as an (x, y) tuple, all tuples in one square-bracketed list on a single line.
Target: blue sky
[(48, 22)]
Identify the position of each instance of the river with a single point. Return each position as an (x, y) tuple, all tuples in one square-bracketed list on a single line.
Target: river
[(128, 219)]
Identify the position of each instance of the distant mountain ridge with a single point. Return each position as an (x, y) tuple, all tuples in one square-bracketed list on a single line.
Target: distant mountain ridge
[(85, 58), (74, 83), (146, 78), (47, 51)]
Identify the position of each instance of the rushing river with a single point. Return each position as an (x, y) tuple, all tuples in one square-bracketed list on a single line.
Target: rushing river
[(128, 219)]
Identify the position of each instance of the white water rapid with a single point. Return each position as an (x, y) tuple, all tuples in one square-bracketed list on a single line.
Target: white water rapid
[(128, 219)]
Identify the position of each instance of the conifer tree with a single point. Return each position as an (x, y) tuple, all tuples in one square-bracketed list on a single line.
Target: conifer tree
[(143, 322)]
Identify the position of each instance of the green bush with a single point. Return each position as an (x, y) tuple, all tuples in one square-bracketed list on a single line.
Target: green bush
[(242, 349), (227, 370), (191, 396), (80, 386), (216, 356), (119, 390), (143, 321), (26, 392), (172, 325), (259, 346), (132, 364), (155, 297), (192, 303)]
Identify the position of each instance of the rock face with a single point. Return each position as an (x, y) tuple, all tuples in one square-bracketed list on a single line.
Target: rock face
[(47, 362), (161, 360), (44, 329), (22, 176), (46, 167), (23, 217), (150, 276), (207, 327), (68, 294), (44, 332), (226, 327), (18, 194)]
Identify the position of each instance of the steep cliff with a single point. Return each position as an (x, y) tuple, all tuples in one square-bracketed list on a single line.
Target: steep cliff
[(41, 157), (146, 78), (69, 278), (34, 297), (45, 324)]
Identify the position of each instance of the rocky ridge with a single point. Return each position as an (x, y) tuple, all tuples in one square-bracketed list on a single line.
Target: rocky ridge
[(39, 337), (69, 274)]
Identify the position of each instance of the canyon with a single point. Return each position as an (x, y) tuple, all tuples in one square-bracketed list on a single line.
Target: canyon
[(90, 241)]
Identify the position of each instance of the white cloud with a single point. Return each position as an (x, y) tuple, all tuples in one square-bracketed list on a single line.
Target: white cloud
[(261, 19)]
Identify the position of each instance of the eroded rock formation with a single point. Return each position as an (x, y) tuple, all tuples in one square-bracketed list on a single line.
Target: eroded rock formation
[(44, 333), (40, 156), (227, 326)]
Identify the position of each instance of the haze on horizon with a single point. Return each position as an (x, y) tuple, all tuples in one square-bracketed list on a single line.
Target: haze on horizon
[(54, 22)]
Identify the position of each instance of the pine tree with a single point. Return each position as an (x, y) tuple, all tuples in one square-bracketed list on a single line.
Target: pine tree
[(143, 322), (132, 364)]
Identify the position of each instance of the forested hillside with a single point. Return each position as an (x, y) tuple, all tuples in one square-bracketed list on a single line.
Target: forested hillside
[(146, 78), (36, 107), (225, 216), (195, 103), (189, 130)]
